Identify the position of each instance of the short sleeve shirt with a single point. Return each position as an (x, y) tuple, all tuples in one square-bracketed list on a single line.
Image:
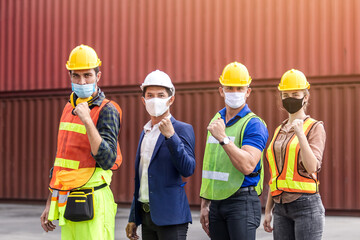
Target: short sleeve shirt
[(255, 135)]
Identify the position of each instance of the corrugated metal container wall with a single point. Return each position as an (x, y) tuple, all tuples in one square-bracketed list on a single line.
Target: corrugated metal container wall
[(25, 171), (191, 40), (28, 130)]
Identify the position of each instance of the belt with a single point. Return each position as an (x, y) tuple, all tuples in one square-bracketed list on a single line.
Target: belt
[(145, 207), (243, 189), (89, 190), (100, 187)]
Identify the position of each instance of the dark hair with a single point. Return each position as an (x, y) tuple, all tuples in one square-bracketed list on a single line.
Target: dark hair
[(167, 90), (97, 70)]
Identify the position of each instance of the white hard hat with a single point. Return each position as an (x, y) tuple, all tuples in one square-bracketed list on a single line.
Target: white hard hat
[(158, 78)]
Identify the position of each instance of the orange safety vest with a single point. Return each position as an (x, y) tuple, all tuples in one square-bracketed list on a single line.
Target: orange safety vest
[(74, 165), (288, 178)]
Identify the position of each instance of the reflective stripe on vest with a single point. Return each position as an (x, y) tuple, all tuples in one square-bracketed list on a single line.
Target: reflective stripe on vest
[(57, 204), (289, 179), (220, 179), (74, 164), (72, 127), (66, 163)]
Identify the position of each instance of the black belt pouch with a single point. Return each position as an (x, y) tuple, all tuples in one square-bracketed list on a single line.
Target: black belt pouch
[(80, 205)]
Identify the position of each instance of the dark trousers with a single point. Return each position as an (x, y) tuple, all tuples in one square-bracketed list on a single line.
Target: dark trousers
[(150, 231), (303, 219), (236, 217)]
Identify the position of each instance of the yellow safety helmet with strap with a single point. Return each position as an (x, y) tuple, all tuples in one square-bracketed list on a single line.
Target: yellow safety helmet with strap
[(83, 57), (235, 74), (293, 80)]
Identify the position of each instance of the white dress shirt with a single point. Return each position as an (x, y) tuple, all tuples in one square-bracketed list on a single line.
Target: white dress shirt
[(151, 136)]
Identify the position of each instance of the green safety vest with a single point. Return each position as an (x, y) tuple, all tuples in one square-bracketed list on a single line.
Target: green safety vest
[(220, 179)]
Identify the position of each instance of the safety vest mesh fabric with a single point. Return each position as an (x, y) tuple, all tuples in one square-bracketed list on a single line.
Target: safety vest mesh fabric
[(288, 178), (74, 165), (220, 179)]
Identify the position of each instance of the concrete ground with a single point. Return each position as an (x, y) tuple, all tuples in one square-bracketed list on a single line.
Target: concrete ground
[(21, 221)]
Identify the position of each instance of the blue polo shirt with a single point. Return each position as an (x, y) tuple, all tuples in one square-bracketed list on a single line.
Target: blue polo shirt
[(255, 135)]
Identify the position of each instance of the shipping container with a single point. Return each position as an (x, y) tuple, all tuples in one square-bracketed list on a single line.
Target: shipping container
[(29, 125), (190, 40)]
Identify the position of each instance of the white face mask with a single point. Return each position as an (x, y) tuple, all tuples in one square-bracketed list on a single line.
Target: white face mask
[(157, 106), (234, 99)]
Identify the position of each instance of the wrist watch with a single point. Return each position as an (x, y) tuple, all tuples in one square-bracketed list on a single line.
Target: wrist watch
[(225, 141)]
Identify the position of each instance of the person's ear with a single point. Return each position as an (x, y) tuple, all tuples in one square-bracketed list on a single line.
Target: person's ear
[(98, 76), (306, 98), (171, 101), (248, 91), (221, 91), (143, 101)]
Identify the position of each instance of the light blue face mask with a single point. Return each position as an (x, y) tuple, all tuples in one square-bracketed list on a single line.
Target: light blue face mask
[(83, 91)]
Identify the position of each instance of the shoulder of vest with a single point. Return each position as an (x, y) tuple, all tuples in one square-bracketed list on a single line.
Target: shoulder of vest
[(67, 108), (310, 123), (246, 118), (252, 115), (114, 104), (312, 120), (107, 101), (68, 104), (276, 132), (216, 116)]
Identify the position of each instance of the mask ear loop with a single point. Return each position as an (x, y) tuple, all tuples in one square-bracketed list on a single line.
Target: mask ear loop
[(304, 106), (303, 102)]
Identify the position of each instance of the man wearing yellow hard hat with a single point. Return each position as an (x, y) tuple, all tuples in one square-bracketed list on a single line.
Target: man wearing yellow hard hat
[(87, 150), (232, 175)]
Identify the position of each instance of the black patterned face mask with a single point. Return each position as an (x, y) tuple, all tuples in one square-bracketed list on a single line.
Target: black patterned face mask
[(292, 105)]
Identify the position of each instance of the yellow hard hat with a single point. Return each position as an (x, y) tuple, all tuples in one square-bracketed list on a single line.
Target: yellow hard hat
[(293, 80), (235, 74), (83, 57)]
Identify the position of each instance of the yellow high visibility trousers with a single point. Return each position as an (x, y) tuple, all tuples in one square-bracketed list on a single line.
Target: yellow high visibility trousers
[(102, 226)]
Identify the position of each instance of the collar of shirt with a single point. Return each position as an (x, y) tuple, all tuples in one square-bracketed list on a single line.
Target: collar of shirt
[(148, 127), (99, 98), (148, 144), (243, 112)]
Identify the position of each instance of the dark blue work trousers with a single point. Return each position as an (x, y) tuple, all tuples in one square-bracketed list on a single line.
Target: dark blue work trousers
[(236, 217), (150, 231)]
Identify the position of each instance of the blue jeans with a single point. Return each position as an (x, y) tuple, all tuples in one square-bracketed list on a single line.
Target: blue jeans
[(236, 217), (302, 219)]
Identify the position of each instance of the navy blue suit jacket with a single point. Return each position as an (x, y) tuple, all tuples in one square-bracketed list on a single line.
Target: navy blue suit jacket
[(172, 159)]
